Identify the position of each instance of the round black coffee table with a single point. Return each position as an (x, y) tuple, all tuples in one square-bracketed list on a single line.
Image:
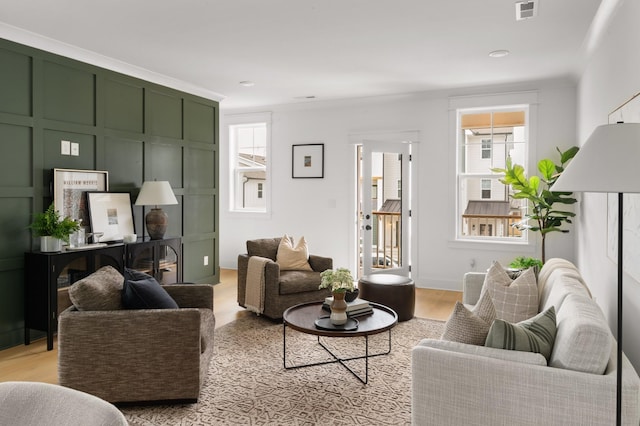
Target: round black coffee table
[(302, 318)]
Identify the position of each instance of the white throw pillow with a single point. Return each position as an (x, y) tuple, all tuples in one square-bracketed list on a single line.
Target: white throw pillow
[(293, 258), (514, 300)]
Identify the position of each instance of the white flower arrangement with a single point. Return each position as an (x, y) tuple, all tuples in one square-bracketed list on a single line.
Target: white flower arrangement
[(339, 280)]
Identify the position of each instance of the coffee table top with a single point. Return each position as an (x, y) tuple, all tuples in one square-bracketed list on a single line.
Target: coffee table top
[(302, 318)]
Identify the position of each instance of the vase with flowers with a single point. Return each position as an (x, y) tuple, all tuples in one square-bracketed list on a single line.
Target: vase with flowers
[(339, 282)]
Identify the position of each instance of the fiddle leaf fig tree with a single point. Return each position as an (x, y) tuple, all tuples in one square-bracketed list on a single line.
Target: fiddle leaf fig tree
[(542, 216)]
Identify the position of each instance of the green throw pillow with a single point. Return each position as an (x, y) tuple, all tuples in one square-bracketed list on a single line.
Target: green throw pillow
[(536, 334)]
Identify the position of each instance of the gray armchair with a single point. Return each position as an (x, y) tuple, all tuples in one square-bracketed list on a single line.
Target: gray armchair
[(132, 355), (283, 289)]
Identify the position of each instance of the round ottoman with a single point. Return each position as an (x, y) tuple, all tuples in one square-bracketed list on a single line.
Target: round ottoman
[(394, 291)]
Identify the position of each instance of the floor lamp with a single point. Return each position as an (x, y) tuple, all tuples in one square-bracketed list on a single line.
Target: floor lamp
[(608, 162)]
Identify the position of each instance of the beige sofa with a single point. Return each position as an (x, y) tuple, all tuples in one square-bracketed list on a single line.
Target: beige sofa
[(141, 354), (455, 383)]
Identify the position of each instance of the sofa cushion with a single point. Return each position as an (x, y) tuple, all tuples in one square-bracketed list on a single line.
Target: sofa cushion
[(536, 334), (146, 293), (292, 258), (583, 341), (471, 327), (100, 291), (292, 282), (265, 247), (514, 300)]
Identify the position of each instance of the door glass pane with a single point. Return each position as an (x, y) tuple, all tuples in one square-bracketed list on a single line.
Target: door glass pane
[(382, 212)]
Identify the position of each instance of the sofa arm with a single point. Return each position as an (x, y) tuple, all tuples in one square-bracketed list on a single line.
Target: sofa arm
[(99, 352), (191, 295), (449, 388), (320, 263), (472, 283)]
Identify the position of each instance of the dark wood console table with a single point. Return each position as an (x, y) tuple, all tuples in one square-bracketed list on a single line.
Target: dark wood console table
[(49, 275)]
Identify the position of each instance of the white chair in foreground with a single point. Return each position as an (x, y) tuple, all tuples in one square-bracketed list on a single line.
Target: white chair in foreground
[(35, 403)]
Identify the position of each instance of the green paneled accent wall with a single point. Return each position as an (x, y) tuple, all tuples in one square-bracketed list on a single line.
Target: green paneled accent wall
[(134, 129)]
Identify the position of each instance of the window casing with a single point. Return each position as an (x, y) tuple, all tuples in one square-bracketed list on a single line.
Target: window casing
[(249, 140), (486, 137)]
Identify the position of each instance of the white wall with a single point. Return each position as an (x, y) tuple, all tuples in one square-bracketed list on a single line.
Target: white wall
[(611, 77), (323, 209)]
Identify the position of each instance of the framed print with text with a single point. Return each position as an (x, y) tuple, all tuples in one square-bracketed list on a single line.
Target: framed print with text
[(69, 191)]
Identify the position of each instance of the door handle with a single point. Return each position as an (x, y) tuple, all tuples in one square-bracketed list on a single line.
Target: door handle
[(368, 227)]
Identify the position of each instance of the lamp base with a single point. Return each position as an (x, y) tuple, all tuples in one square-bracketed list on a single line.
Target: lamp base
[(157, 222)]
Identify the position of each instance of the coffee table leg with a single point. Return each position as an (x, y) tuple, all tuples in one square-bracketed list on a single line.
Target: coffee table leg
[(335, 357)]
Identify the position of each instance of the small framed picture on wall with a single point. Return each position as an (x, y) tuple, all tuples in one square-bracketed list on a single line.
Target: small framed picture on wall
[(307, 161)]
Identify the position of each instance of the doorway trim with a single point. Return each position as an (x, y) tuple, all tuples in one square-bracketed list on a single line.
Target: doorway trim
[(406, 136)]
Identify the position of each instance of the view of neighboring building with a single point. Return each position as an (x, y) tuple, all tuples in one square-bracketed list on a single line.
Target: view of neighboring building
[(487, 139)]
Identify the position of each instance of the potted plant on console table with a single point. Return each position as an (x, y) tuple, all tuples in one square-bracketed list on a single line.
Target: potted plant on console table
[(340, 282), (52, 229)]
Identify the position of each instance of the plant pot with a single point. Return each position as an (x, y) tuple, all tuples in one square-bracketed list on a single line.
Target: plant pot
[(350, 296), (50, 244)]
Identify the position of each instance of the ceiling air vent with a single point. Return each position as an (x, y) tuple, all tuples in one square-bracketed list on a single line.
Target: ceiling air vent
[(526, 10)]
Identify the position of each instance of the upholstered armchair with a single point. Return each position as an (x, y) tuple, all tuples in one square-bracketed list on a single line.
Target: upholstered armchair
[(283, 289), (133, 355)]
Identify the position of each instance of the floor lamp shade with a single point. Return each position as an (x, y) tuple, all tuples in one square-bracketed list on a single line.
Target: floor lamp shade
[(607, 162), (156, 193)]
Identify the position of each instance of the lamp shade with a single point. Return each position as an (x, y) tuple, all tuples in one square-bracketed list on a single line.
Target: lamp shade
[(607, 162), (156, 193)]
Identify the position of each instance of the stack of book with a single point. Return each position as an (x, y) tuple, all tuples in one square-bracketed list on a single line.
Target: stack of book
[(356, 308)]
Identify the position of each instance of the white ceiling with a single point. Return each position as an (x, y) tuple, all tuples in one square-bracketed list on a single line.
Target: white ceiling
[(330, 49)]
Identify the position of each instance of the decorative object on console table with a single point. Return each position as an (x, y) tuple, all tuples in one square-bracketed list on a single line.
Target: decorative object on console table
[(111, 214), (52, 229), (156, 193), (606, 163), (70, 186)]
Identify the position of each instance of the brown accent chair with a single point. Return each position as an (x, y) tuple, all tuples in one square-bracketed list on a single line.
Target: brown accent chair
[(283, 289), (133, 355)]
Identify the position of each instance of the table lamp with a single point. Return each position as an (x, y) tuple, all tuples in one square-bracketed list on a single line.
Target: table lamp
[(156, 193), (608, 162)]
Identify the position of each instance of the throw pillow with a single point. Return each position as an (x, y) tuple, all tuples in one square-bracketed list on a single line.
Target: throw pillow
[(146, 293), (470, 327), (514, 300), (134, 274), (293, 258), (100, 291), (536, 334)]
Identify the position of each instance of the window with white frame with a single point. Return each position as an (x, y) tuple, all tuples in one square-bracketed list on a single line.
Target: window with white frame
[(486, 148), (486, 189), (486, 137), (248, 165)]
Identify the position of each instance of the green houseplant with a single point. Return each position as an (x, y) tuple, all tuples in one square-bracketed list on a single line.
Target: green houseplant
[(50, 224), (538, 191)]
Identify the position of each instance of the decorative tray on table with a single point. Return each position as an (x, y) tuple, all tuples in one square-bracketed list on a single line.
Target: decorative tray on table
[(324, 323)]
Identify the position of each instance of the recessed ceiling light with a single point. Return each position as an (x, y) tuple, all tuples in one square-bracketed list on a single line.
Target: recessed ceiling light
[(499, 53), (247, 83)]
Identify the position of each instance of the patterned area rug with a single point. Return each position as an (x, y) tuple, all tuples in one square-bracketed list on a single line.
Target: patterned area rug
[(247, 384)]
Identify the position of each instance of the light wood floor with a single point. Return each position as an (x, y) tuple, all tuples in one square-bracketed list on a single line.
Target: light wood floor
[(35, 363)]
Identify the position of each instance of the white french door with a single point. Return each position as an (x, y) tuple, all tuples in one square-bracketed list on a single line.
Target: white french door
[(384, 204)]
